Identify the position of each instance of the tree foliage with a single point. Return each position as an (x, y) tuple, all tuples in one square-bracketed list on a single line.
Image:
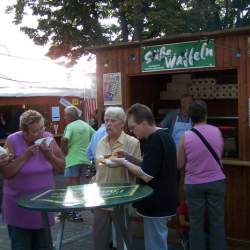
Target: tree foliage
[(71, 25), (209, 15)]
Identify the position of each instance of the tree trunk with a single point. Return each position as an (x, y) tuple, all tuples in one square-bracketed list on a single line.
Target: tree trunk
[(138, 21), (123, 22), (217, 24)]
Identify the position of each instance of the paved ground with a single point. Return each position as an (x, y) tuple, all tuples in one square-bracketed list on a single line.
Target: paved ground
[(78, 236)]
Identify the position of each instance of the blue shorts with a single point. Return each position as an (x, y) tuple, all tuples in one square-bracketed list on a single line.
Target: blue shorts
[(76, 170)]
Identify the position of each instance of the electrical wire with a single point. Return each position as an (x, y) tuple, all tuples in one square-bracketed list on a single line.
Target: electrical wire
[(7, 49), (26, 58), (22, 81)]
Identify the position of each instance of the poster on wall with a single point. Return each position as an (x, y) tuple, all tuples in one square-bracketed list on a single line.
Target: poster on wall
[(112, 90), (55, 114)]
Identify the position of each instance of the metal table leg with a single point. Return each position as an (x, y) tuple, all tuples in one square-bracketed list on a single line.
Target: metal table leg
[(48, 232), (59, 236), (119, 221)]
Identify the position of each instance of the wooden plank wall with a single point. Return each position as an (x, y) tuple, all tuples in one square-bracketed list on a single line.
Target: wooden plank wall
[(237, 202), (242, 104), (226, 49), (117, 60)]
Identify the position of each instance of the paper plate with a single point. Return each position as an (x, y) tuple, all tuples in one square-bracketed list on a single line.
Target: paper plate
[(47, 140)]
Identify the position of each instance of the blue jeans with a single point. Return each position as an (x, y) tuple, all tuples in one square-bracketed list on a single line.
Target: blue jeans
[(155, 233), (76, 170), (208, 196), (28, 239)]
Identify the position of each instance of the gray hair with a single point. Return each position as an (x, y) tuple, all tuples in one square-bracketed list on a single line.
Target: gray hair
[(73, 111), (116, 113), (30, 117)]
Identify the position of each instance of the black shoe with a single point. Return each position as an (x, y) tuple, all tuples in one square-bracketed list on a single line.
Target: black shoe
[(75, 217), (111, 247)]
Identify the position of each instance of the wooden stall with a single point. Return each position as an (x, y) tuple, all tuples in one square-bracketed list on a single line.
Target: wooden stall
[(211, 66)]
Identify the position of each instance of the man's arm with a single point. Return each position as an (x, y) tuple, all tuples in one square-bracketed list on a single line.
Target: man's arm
[(64, 145), (169, 120), (137, 171), (133, 160), (129, 157), (65, 139), (134, 169)]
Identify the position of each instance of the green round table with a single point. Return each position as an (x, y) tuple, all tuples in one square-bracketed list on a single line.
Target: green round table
[(83, 197)]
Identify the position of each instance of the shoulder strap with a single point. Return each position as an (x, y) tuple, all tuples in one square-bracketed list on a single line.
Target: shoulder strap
[(210, 149)]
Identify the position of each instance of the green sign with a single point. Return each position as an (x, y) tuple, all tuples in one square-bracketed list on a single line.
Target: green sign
[(195, 54)]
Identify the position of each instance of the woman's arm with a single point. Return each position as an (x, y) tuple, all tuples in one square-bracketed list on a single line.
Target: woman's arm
[(181, 159), (15, 165), (55, 156), (183, 221)]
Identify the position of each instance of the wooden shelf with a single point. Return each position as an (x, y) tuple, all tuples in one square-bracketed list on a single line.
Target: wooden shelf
[(235, 162), (222, 117)]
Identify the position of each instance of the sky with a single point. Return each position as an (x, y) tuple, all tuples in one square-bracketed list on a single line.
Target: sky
[(25, 63)]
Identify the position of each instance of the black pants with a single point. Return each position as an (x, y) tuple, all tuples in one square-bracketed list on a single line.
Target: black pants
[(28, 239)]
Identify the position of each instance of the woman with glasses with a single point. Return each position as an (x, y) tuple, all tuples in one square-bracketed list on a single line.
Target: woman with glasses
[(30, 170)]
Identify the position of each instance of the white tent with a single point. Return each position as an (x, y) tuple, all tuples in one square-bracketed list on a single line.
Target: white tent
[(25, 78), (28, 92), (9, 88)]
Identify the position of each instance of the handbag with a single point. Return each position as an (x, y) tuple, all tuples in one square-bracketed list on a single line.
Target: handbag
[(210, 149)]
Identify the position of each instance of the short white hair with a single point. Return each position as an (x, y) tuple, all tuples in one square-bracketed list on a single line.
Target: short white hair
[(73, 111), (116, 113)]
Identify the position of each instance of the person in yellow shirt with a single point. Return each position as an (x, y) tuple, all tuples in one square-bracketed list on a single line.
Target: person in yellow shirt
[(115, 140)]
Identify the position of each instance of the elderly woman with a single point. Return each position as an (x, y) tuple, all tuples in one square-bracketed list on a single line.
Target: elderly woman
[(115, 140), (30, 170), (204, 179)]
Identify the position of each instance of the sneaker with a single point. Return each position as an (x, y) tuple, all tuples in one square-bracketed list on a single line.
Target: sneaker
[(59, 216)]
